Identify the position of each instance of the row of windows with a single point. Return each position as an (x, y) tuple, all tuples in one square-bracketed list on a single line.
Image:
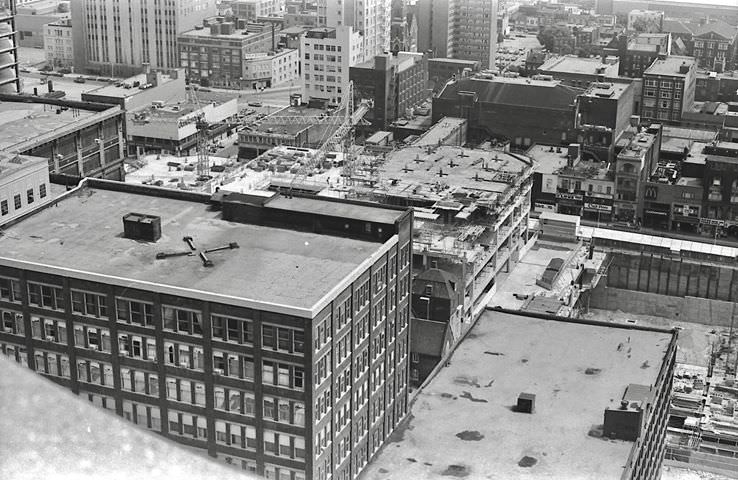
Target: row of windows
[(18, 200)]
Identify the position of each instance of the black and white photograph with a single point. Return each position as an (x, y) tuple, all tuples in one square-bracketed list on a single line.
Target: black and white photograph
[(369, 239)]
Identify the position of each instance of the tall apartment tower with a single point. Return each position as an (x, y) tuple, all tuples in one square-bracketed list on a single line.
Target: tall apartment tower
[(117, 38), (9, 80), (371, 18), (461, 29)]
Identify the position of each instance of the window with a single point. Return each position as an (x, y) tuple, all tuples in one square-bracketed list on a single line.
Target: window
[(283, 339), (10, 290), (232, 329), (42, 190), (132, 311), (287, 375), (29, 196), (17, 202), (3, 207), (87, 303), (182, 321), (12, 322), (46, 296)]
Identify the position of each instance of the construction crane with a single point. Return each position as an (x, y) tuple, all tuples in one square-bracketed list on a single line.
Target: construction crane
[(201, 125), (345, 121)]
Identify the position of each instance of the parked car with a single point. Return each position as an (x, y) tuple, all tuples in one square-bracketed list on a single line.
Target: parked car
[(80, 80), (254, 104)]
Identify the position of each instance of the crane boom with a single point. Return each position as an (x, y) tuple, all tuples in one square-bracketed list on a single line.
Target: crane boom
[(203, 161)]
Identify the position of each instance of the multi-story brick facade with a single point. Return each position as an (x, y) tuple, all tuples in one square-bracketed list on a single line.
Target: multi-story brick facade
[(286, 356)]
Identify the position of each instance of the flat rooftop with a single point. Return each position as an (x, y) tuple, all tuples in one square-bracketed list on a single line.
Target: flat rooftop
[(440, 131), (111, 90), (579, 65), (236, 34), (453, 61), (288, 126), (21, 121), (402, 60), (696, 134), (82, 441), (546, 159), (613, 90), (418, 172), (12, 163), (462, 422), (275, 269), (669, 66)]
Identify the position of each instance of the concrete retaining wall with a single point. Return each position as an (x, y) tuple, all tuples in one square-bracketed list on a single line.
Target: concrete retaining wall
[(687, 309), (645, 272)]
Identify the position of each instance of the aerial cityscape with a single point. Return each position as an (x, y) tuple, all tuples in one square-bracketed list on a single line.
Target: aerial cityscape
[(369, 239)]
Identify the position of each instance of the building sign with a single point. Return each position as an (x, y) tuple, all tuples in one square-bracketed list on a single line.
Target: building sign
[(183, 122), (569, 196), (657, 212), (598, 206), (712, 222), (686, 210), (544, 206), (651, 192)]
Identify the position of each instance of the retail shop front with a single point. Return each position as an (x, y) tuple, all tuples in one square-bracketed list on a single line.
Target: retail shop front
[(569, 203), (598, 208), (685, 218)]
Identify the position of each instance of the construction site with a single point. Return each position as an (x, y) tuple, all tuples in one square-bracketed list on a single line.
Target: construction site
[(691, 286)]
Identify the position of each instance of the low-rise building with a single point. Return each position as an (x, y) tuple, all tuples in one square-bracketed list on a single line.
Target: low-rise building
[(395, 83), (59, 44), (327, 57), (214, 54), (526, 372), (605, 110), (580, 72), (294, 126), (715, 45), (522, 110), (720, 195), (638, 53), (567, 183), (271, 69), (668, 88), (440, 70), (716, 87), (80, 139), (171, 127), (638, 157), (141, 90), (24, 185), (31, 20)]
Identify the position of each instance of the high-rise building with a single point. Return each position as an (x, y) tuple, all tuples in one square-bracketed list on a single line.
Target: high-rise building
[(327, 56), (250, 10), (278, 344), (9, 79), (462, 29), (117, 40), (371, 18)]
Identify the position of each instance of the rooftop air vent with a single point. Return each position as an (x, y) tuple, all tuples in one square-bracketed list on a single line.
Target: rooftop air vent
[(139, 226), (526, 403)]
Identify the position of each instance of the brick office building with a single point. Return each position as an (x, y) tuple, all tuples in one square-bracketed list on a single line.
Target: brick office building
[(284, 352)]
